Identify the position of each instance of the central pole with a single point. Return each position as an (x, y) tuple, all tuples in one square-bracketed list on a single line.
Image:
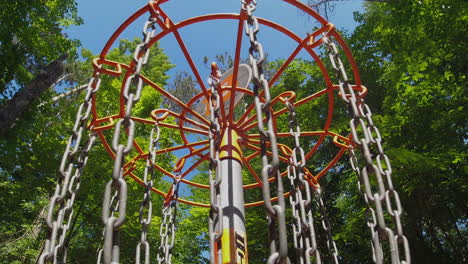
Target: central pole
[(233, 241)]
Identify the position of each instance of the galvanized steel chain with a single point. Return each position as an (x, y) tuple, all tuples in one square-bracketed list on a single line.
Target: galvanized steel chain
[(146, 207), (270, 165), (215, 226), (373, 168), (115, 207), (74, 160), (168, 225), (304, 235), (326, 226), (118, 183)]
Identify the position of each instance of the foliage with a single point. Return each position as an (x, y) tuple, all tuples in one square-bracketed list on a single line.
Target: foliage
[(31, 35), (29, 158), (182, 87), (412, 54)]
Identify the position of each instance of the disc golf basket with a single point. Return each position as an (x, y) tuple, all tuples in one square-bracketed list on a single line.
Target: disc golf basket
[(245, 146)]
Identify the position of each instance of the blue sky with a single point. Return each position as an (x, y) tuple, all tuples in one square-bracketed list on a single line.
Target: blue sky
[(102, 17)]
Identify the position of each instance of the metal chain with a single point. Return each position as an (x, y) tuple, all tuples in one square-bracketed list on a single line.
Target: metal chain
[(375, 165), (168, 225), (146, 204), (304, 236), (331, 245), (215, 227), (115, 208), (270, 166), (74, 160), (131, 97)]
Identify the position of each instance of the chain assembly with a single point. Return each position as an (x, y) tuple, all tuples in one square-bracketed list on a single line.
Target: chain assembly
[(74, 160), (146, 207), (257, 126), (275, 213), (215, 226), (331, 245), (118, 183), (168, 225), (304, 236), (373, 169)]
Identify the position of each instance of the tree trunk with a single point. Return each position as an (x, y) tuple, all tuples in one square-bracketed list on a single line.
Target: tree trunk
[(22, 99)]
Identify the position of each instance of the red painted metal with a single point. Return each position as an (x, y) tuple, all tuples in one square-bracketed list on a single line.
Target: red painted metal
[(188, 121)]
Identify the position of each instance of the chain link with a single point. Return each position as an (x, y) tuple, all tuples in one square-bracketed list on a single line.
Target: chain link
[(131, 93), (168, 225), (331, 245), (270, 166), (373, 168), (146, 207), (304, 235), (215, 226), (74, 160)]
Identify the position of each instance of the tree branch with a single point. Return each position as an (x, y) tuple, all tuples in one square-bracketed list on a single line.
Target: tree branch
[(77, 89), (318, 3)]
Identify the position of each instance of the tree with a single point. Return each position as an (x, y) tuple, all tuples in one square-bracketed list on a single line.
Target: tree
[(30, 156), (21, 101), (409, 51), (327, 7), (184, 88), (31, 37)]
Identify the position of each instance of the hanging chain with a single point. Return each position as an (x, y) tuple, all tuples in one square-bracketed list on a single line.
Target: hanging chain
[(168, 225), (216, 212), (377, 165), (304, 236), (71, 168), (331, 245), (115, 207), (146, 204), (275, 213), (118, 183)]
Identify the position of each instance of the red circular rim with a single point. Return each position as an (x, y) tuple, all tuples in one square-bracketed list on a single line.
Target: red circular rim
[(245, 122)]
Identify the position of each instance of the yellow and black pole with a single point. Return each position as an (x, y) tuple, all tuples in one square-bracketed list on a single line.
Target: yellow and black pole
[(228, 241), (233, 241)]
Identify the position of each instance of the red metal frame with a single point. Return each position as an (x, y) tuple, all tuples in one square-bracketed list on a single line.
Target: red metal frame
[(246, 123)]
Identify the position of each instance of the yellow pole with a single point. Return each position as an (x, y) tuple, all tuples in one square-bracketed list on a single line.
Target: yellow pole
[(233, 241)]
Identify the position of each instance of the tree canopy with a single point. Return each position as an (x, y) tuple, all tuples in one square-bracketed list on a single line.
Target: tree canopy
[(33, 47), (411, 56), (31, 36)]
